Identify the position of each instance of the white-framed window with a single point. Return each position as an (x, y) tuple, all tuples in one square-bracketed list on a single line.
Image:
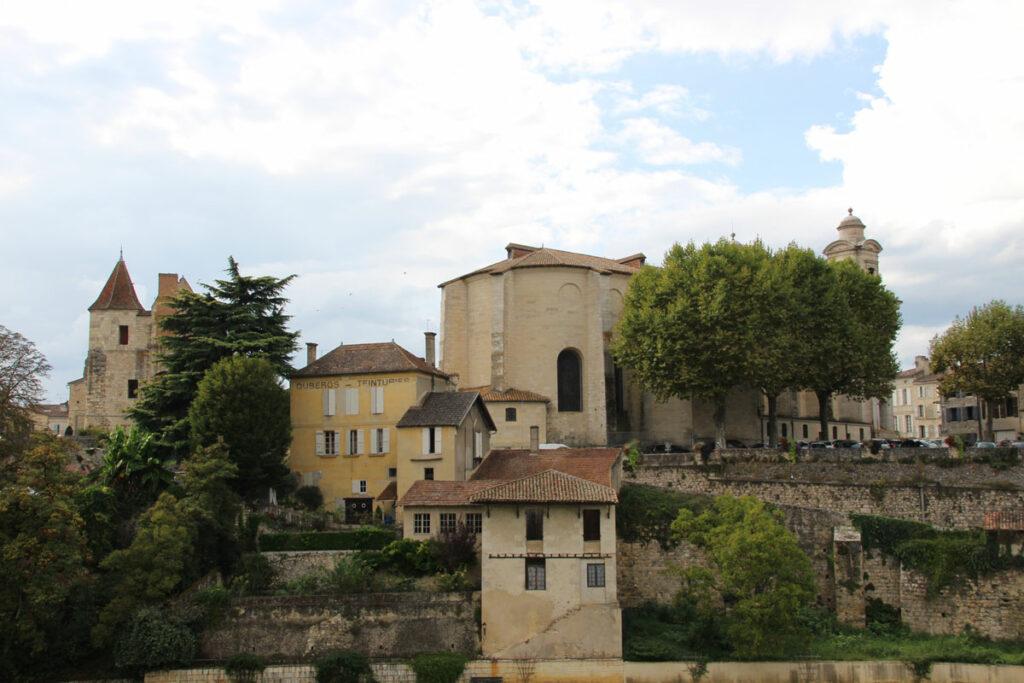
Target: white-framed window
[(475, 522), (377, 400), (446, 522), (906, 400), (421, 523), (536, 574), (352, 401), (327, 443), (358, 486), (380, 440), (330, 402), (922, 391), (908, 421), (595, 575), (431, 440), (356, 442), (920, 410)]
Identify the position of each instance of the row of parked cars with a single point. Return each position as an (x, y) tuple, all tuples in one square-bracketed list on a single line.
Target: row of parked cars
[(873, 445)]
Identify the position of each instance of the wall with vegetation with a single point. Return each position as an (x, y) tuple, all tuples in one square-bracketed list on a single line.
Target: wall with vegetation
[(375, 624)]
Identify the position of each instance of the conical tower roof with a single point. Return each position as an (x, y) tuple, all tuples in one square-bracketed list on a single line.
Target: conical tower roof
[(119, 293)]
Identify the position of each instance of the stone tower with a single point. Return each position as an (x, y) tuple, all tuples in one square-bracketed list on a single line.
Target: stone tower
[(852, 245), (123, 336)]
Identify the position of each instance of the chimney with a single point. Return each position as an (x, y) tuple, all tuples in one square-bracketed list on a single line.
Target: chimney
[(429, 357), (310, 353), (534, 439)]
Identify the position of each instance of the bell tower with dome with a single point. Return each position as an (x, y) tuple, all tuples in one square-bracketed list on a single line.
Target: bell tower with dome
[(852, 245)]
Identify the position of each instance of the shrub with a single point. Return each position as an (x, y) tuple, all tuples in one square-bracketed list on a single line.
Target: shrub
[(214, 602), (352, 575), (152, 641), (456, 549), (646, 513), (310, 497), (248, 532), (409, 557), (364, 538), (882, 618), (244, 668), (454, 581), (442, 667), (343, 667), (253, 574)]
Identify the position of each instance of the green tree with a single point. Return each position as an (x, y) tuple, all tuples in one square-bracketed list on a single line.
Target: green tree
[(132, 470), (241, 402), (43, 551), (686, 328), (22, 369), (983, 355), (848, 349), (178, 539), (760, 573), (240, 315)]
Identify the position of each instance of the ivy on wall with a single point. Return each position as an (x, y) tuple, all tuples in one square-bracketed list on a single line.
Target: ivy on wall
[(645, 513)]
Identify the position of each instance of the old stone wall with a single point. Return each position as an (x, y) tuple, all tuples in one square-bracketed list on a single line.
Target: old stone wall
[(993, 605), (290, 565), (376, 624), (647, 572)]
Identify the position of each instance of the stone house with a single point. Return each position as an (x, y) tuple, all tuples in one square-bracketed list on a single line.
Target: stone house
[(123, 341), (916, 402), (51, 417), (546, 521), (368, 419)]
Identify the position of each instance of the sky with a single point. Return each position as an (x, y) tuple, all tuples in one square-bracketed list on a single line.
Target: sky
[(376, 149)]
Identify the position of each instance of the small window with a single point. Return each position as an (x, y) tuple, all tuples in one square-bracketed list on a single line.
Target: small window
[(421, 523), (784, 429), (595, 575), (122, 333), (591, 525), (536, 579), (475, 522), (805, 431), (534, 525), (392, 472), (921, 431), (835, 432), (428, 473), (510, 414), (330, 443), (362, 486), (446, 522), (861, 433), (133, 388), (920, 411), (353, 441), (570, 382), (380, 440)]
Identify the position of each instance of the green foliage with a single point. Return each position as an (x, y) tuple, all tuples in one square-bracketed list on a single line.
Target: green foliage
[(457, 580), (241, 315), (882, 618), (409, 557), (213, 602), (632, 461), (441, 667), (684, 630), (343, 667), (240, 402), (252, 575), (760, 573), (982, 354), (944, 557), (363, 538), (309, 497), (43, 551), (860, 645), (645, 513), (22, 369), (244, 667), (352, 575), (455, 550), (98, 508), (151, 641), (132, 470)]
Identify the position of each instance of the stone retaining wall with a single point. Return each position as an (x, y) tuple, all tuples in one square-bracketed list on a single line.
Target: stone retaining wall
[(376, 624), (292, 564)]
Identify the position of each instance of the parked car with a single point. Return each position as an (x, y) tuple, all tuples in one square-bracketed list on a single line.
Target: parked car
[(820, 444), (733, 443), (878, 445), (912, 443), (845, 443), (1018, 444), (984, 444)]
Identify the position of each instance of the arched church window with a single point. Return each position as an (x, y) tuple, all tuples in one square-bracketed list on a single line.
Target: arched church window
[(570, 381)]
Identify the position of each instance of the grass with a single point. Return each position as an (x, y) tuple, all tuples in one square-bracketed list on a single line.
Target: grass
[(854, 645)]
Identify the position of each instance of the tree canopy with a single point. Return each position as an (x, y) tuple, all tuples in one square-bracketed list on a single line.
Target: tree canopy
[(982, 354), (22, 369), (241, 402), (241, 315)]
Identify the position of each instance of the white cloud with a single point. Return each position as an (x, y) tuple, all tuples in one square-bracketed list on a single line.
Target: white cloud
[(658, 144)]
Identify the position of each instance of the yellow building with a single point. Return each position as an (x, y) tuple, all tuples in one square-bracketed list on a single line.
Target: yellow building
[(916, 402), (368, 419), (546, 521)]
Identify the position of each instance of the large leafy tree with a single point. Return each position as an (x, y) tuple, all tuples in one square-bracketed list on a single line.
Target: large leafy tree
[(849, 347), (686, 329), (240, 315), (22, 369), (43, 552), (983, 355), (759, 573), (241, 402), (131, 469)]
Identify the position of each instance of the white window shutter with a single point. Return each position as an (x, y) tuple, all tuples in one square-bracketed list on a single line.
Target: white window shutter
[(361, 441), (326, 402), (377, 394), (478, 445), (373, 440), (320, 443), (332, 402), (386, 446), (352, 401), (426, 440), (437, 439), (355, 486)]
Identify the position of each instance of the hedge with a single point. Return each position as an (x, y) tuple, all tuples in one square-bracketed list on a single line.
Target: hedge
[(364, 538)]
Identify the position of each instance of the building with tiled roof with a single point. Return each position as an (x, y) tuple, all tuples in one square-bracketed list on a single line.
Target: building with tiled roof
[(549, 486), (362, 359), (51, 417), (916, 402), (514, 411), (123, 340)]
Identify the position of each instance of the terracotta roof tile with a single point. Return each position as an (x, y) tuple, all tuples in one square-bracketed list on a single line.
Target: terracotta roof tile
[(441, 493), (361, 359), (51, 409), (592, 464), (390, 492), (549, 486), (534, 257), (444, 408), (118, 294), (1004, 520), (509, 395)]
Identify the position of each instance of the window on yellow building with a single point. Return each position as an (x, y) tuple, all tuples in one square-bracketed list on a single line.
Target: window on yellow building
[(379, 440), (330, 403), (421, 523), (475, 522), (352, 401), (327, 443), (446, 522), (431, 440), (377, 400), (428, 473), (356, 444)]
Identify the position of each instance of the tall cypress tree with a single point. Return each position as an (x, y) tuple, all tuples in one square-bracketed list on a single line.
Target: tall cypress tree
[(239, 315)]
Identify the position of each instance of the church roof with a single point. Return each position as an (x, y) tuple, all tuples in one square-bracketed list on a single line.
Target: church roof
[(522, 256), (119, 293), (363, 359)]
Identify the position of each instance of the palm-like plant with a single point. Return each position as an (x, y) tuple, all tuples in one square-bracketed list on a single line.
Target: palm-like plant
[(131, 468)]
